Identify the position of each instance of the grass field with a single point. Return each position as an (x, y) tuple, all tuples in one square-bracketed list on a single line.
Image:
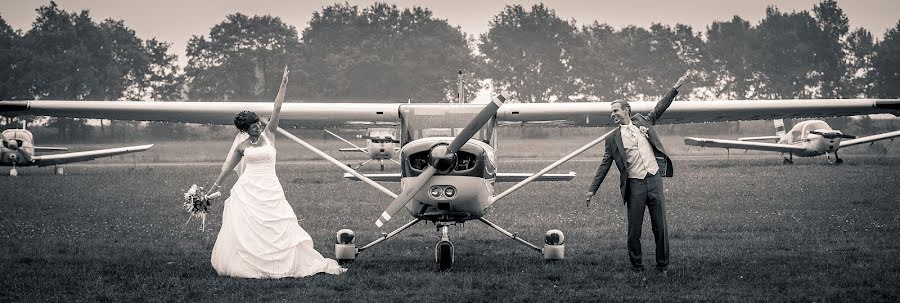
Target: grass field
[(741, 230)]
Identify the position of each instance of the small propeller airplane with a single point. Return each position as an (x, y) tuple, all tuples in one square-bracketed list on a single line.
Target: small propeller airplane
[(380, 145), (18, 150), (809, 138), (448, 156)]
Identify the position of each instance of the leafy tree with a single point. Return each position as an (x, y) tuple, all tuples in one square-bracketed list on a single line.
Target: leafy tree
[(886, 65), (243, 58), (383, 53), (13, 57), (788, 54), (858, 77), (830, 54), (597, 62), (74, 58), (731, 58), (673, 51), (530, 53), (633, 63)]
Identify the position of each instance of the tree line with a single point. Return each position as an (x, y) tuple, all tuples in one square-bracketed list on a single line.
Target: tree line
[(381, 53)]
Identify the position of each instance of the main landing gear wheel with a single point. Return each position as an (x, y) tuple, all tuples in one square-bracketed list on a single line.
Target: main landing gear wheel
[(59, 170), (554, 245), (345, 250)]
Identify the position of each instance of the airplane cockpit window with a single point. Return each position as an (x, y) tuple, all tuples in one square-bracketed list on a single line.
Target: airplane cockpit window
[(796, 135), (423, 121), (814, 125)]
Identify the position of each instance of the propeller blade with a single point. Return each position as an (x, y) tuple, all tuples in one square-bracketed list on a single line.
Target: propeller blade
[(406, 195), (475, 125)]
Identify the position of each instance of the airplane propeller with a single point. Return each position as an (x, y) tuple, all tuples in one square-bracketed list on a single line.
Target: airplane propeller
[(441, 159), (831, 134)]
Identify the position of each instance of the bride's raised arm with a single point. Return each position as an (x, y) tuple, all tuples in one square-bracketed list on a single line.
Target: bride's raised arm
[(272, 126)]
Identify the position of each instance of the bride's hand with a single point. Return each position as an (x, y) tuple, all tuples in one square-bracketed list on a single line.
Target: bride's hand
[(211, 190)]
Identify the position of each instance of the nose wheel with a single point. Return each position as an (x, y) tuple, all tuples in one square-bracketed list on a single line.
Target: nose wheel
[(13, 172), (443, 251)]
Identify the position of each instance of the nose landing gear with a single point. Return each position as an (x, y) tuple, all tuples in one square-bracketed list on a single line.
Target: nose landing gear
[(443, 251)]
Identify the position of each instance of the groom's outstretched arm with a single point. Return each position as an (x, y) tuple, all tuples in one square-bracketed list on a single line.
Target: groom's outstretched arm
[(664, 103)]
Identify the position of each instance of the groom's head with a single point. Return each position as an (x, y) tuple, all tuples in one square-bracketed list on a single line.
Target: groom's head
[(620, 111)]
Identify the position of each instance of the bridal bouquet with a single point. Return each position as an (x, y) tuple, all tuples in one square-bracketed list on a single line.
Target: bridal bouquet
[(197, 204)]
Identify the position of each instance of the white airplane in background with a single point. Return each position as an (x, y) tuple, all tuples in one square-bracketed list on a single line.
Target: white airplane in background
[(809, 138), (18, 150), (381, 144), (448, 158)]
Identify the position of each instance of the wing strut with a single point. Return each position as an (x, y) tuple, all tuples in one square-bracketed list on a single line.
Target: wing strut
[(552, 166), (336, 162), (345, 141)]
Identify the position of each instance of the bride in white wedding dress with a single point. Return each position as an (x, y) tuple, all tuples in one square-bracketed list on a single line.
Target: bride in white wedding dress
[(260, 235)]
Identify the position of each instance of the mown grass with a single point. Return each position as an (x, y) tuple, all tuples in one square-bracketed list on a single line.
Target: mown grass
[(741, 230)]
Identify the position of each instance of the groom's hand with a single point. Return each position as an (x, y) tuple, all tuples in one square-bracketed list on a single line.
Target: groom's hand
[(587, 200), (680, 81)]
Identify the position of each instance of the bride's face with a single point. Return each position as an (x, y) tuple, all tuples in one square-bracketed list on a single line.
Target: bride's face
[(255, 129)]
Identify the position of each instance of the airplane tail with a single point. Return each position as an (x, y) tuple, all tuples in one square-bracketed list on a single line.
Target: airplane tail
[(779, 127), (779, 132)]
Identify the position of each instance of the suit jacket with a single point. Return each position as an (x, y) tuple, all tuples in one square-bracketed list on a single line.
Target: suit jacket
[(615, 149)]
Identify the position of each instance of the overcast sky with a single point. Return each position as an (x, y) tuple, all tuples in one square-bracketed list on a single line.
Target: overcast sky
[(175, 21)]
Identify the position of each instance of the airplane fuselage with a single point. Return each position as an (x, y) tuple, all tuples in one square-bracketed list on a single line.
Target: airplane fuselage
[(17, 149), (381, 149), (462, 193), (814, 144)]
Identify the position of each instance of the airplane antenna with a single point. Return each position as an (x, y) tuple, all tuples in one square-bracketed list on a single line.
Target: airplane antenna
[(459, 89)]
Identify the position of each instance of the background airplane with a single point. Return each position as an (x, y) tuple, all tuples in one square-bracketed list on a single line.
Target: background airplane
[(809, 138), (381, 144), (449, 167), (19, 150)]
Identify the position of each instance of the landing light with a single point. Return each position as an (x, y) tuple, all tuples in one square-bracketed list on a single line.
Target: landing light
[(449, 191), (435, 191)]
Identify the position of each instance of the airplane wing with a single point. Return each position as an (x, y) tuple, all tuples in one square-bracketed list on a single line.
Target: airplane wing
[(86, 155), (774, 147), (598, 113), (350, 149), (760, 138), (872, 138), (292, 114), (518, 177), (368, 114), (501, 177), (45, 149)]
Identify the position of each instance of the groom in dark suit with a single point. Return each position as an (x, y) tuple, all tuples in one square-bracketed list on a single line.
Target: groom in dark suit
[(641, 160)]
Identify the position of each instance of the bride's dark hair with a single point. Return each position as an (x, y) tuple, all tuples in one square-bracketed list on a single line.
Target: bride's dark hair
[(244, 119)]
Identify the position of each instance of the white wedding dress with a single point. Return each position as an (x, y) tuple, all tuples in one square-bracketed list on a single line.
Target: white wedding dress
[(260, 236)]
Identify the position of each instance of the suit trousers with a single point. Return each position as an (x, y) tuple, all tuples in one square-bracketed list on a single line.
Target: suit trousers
[(647, 192)]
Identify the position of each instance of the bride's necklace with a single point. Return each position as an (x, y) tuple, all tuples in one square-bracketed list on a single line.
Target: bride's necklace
[(254, 143)]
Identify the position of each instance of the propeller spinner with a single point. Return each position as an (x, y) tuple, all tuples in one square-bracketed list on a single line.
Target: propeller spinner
[(441, 159)]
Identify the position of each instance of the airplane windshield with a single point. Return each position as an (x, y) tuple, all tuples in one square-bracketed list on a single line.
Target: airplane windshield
[(422, 121), (814, 125)]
